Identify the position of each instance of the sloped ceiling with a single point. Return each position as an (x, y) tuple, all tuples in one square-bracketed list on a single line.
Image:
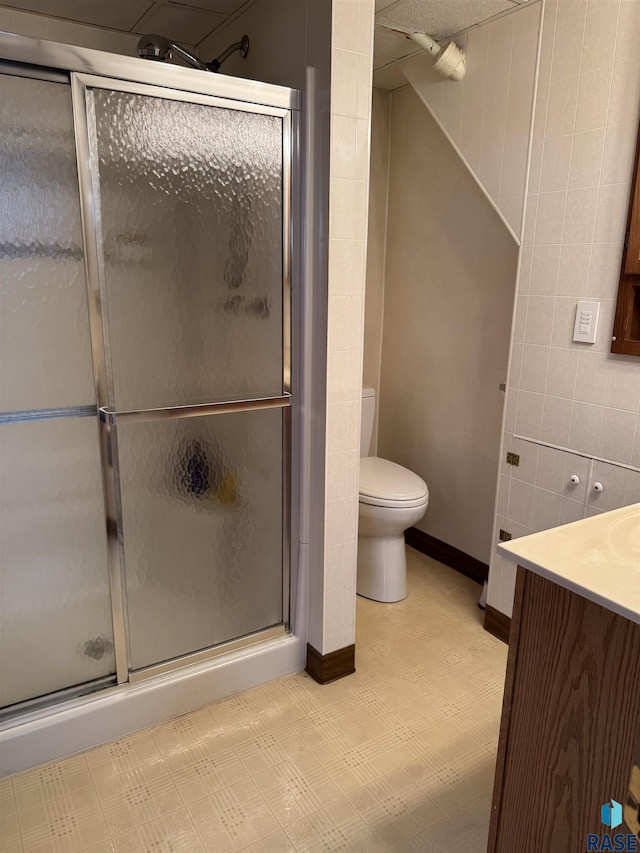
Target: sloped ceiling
[(441, 19), (192, 21), (189, 21)]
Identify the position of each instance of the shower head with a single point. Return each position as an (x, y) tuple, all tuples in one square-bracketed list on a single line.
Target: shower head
[(162, 49), (155, 47)]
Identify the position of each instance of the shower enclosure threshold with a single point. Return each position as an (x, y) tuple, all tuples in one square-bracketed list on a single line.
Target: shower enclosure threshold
[(89, 721)]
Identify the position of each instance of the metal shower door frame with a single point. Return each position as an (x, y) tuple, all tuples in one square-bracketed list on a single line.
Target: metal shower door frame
[(109, 418)]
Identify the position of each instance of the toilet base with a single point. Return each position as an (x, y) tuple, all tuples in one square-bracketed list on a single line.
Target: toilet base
[(382, 568)]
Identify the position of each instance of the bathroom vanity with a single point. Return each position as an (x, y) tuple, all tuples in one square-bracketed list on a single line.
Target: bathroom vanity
[(571, 714)]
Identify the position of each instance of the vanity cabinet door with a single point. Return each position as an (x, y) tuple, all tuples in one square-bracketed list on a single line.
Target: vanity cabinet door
[(611, 487), (570, 719)]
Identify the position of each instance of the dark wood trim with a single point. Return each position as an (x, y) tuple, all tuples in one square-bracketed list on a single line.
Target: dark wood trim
[(330, 667), (447, 554), (626, 334), (497, 623)]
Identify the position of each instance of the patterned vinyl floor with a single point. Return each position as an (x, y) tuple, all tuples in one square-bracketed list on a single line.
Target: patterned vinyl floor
[(399, 756)]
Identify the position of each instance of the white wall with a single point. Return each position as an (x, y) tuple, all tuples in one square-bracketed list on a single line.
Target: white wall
[(576, 396), (279, 42), (448, 300)]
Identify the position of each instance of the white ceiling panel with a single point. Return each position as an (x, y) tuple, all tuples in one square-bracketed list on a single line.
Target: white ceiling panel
[(115, 14), (180, 23), (223, 7), (441, 18)]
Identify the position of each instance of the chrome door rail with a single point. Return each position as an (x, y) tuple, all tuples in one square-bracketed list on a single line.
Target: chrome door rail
[(27, 415), (171, 413)]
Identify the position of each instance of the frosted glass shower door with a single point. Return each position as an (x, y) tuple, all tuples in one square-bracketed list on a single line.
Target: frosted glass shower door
[(55, 607), (190, 196)]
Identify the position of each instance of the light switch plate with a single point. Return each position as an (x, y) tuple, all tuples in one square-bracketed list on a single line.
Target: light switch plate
[(586, 325)]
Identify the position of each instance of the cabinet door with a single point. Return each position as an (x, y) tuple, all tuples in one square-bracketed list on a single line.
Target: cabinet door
[(632, 259), (620, 487)]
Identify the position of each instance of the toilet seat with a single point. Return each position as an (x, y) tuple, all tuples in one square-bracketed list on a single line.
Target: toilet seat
[(383, 483)]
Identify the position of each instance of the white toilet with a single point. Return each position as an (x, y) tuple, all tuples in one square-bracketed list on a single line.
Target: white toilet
[(392, 498)]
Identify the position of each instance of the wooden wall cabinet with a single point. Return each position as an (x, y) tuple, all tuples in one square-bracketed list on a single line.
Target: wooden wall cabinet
[(626, 326), (570, 720)]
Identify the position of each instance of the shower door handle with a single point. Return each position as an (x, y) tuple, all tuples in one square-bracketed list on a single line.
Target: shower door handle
[(111, 417)]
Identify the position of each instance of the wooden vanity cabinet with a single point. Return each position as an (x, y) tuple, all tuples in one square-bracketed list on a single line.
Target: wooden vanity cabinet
[(570, 719)]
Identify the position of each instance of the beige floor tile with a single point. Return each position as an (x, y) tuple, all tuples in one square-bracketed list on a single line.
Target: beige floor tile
[(441, 775), (7, 800), (319, 724), (395, 808), (172, 833), (297, 788), (404, 733), (187, 730), (249, 707), (50, 781), (122, 755), (279, 842), (204, 768), (137, 797), (233, 818), (354, 759), (338, 827), (10, 833), (101, 847), (266, 742), (65, 825)]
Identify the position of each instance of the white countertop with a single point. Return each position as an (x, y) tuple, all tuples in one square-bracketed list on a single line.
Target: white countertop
[(598, 558)]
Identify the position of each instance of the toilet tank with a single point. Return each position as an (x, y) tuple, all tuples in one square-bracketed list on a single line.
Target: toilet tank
[(366, 422)]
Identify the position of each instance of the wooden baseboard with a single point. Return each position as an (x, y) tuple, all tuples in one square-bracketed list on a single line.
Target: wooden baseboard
[(447, 554), (497, 623), (330, 667)]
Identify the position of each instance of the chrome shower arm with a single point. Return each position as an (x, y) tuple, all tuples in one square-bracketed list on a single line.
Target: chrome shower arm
[(242, 46), (161, 48), (189, 57)]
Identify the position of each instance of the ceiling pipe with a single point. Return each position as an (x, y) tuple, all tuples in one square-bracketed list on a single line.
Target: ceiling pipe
[(448, 61)]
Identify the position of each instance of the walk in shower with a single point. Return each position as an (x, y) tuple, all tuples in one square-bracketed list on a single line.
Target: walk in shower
[(145, 388)]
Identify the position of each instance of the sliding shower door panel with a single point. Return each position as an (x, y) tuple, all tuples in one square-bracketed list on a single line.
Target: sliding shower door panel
[(190, 240), (55, 608), (202, 513), (189, 210)]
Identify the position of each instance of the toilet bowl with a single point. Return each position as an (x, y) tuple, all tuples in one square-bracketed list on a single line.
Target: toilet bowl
[(391, 498)]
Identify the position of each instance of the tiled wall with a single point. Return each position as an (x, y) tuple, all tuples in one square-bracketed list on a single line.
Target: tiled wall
[(573, 395), (539, 494), (351, 74), (488, 114), (376, 243)]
